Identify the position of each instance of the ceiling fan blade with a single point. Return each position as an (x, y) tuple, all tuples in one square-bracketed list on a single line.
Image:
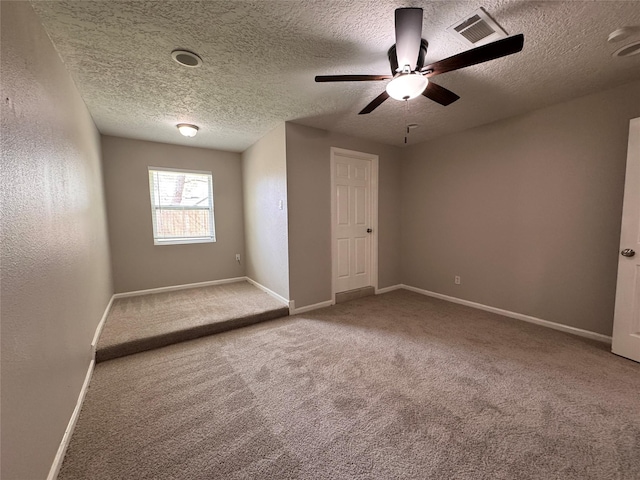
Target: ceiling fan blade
[(375, 103), (490, 51), (440, 94), (351, 78), (408, 36)]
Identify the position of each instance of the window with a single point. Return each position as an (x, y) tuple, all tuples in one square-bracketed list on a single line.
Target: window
[(181, 206)]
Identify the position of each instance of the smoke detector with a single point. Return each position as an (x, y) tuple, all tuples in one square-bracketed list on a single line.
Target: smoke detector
[(623, 33), (477, 29)]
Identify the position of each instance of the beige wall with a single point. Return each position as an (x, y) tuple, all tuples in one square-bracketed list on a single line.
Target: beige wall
[(55, 280), (264, 175), (527, 210), (138, 264), (309, 184)]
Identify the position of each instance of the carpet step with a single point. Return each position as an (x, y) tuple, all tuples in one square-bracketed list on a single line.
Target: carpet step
[(165, 339)]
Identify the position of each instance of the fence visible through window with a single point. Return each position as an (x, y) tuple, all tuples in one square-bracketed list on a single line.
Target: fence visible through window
[(182, 223)]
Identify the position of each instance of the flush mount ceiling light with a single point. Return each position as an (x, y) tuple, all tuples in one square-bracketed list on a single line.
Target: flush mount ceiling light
[(187, 129), (628, 50), (406, 86), (186, 58)]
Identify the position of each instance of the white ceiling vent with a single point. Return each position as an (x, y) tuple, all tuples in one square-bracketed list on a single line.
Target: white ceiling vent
[(479, 28)]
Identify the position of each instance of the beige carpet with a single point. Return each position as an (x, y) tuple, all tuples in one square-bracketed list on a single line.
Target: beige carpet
[(136, 324), (387, 387)]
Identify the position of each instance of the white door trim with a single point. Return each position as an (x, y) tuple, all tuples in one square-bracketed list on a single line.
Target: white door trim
[(374, 214)]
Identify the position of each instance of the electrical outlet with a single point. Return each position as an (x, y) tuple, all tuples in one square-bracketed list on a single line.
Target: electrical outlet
[(456, 280), (238, 257)]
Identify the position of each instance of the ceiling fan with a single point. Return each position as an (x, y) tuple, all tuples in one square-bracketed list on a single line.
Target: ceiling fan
[(410, 77)]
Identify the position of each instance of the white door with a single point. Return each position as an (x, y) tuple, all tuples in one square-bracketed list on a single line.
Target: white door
[(626, 323), (353, 219)]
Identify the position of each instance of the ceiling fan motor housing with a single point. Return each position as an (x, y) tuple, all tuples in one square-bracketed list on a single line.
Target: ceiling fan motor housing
[(393, 59)]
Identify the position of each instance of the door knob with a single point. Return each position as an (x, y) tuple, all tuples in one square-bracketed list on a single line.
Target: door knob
[(369, 230), (627, 252)]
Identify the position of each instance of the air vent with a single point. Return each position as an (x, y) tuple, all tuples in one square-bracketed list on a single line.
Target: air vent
[(479, 28)]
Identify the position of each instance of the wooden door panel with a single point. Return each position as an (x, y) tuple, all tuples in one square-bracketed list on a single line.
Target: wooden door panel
[(352, 244), (626, 324)]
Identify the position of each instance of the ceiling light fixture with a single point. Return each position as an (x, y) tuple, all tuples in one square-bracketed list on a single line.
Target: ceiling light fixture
[(406, 86), (187, 129), (186, 58)]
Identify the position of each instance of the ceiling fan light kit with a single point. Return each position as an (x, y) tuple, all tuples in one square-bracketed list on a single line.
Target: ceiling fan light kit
[(406, 86), (411, 78)]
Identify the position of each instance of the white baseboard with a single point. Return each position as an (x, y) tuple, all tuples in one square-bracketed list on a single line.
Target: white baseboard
[(96, 335), (518, 316), (380, 291), (307, 308), (186, 286), (270, 292), (64, 444), (172, 288), (328, 303), (62, 449)]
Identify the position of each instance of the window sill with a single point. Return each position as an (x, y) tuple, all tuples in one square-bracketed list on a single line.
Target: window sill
[(184, 241)]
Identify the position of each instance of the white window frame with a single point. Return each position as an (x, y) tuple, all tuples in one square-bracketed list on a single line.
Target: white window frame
[(210, 207)]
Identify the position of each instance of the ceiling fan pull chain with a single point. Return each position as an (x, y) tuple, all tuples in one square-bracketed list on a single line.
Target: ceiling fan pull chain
[(406, 121)]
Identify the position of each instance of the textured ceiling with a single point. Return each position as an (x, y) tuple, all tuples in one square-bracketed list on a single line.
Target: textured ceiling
[(260, 59)]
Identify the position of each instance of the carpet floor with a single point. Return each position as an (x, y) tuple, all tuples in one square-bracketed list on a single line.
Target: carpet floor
[(393, 386), (137, 324)]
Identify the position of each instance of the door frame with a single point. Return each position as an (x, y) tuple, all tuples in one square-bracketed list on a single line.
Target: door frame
[(373, 211)]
